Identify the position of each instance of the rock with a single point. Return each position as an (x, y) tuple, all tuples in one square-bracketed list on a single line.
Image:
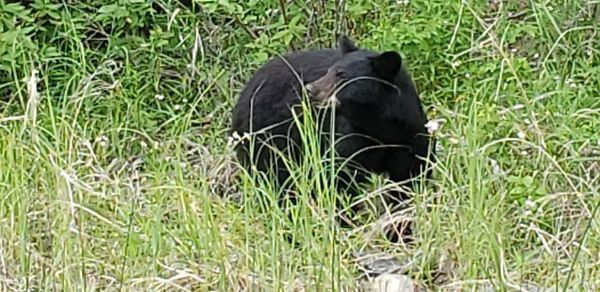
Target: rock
[(393, 283), (373, 263)]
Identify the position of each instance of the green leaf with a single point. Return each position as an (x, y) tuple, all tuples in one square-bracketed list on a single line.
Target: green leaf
[(261, 57), (13, 8), (280, 34), (107, 9), (287, 39)]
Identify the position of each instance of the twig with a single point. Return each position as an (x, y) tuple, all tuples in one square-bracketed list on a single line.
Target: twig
[(285, 19), (246, 29)]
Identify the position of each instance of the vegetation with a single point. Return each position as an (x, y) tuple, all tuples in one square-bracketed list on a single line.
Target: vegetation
[(116, 171)]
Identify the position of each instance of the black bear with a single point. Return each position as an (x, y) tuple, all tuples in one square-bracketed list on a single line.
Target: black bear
[(377, 112)]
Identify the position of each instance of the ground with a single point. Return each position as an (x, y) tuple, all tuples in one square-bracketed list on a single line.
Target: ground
[(116, 172)]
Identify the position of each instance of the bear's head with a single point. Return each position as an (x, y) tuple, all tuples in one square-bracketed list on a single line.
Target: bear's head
[(359, 77)]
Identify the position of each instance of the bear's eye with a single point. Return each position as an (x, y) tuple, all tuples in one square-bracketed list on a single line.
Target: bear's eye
[(340, 74)]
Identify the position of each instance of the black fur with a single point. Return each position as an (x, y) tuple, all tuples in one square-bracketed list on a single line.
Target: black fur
[(383, 111)]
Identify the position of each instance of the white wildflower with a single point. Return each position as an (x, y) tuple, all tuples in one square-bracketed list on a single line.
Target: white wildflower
[(432, 126)]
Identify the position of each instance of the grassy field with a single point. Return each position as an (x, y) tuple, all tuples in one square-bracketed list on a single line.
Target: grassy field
[(116, 171)]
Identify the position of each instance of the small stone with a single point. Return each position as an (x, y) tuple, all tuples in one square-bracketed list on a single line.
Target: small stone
[(529, 204), (393, 283), (103, 141)]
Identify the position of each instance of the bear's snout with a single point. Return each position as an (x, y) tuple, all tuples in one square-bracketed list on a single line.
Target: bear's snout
[(321, 90), (317, 95), (311, 89)]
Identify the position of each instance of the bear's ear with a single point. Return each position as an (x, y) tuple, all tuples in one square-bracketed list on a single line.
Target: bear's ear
[(387, 64), (345, 44)]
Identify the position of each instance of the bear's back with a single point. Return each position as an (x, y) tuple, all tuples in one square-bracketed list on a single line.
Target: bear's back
[(275, 87)]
